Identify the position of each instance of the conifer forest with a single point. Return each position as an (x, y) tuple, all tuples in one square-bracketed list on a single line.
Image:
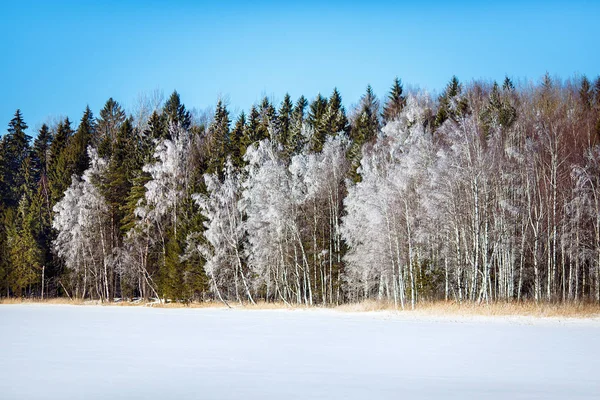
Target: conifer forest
[(484, 192)]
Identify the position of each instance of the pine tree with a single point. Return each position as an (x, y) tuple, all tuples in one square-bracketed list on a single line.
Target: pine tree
[(335, 117), (25, 256), (41, 151), (121, 170), (508, 85), (395, 102), (586, 93), (296, 140), (236, 145), (316, 120), (268, 120), (284, 122), (15, 149), (175, 112), (218, 133), (451, 103), (60, 168), (253, 132), (111, 118), (82, 138), (366, 122)]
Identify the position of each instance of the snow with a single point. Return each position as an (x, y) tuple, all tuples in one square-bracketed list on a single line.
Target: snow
[(93, 352)]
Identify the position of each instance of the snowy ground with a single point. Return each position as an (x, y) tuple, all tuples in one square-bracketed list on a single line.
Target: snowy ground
[(76, 352)]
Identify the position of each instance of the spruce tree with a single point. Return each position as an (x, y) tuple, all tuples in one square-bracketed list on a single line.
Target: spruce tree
[(236, 149), (395, 102), (218, 133), (451, 104), (268, 120), (111, 117), (284, 120), (41, 151), (296, 140), (78, 146), (15, 149), (316, 119), (586, 93), (60, 167), (175, 112)]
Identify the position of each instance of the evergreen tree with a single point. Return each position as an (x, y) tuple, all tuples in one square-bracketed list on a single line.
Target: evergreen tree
[(296, 140), (508, 85), (41, 151), (253, 130), (395, 102), (218, 133), (175, 113), (112, 116), (121, 170), (284, 120), (585, 93), (236, 149), (78, 145), (366, 122), (25, 256), (268, 120), (60, 167), (15, 149), (451, 103)]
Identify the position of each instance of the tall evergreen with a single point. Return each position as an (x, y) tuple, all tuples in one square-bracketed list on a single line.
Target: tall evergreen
[(586, 94), (15, 149), (218, 133), (236, 145), (395, 102), (268, 120), (451, 104), (284, 120), (111, 117), (316, 119), (176, 113), (41, 151), (335, 117), (60, 167), (296, 140), (81, 140), (366, 123)]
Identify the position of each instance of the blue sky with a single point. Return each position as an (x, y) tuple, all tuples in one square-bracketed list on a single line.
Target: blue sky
[(59, 56)]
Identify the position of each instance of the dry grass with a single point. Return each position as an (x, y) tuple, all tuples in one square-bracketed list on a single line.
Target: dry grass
[(440, 308), (56, 300), (529, 309)]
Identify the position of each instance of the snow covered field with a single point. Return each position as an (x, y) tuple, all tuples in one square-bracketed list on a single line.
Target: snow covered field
[(76, 352)]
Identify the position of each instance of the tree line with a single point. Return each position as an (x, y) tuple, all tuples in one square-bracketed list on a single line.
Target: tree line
[(486, 192)]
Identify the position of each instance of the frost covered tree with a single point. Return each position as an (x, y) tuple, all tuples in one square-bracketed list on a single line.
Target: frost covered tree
[(81, 219), (384, 210), (222, 247)]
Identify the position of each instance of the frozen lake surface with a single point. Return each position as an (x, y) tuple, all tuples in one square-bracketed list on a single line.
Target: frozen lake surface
[(76, 352)]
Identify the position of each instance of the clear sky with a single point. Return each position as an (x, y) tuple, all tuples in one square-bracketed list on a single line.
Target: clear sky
[(59, 56)]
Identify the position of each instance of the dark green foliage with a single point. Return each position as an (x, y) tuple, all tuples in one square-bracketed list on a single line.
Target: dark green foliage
[(14, 149), (41, 151), (218, 136), (499, 112), (175, 113), (60, 167), (111, 118), (236, 145), (284, 122), (78, 147), (395, 102), (296, 140), (586, 94), (451, 104), (268, 120)]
